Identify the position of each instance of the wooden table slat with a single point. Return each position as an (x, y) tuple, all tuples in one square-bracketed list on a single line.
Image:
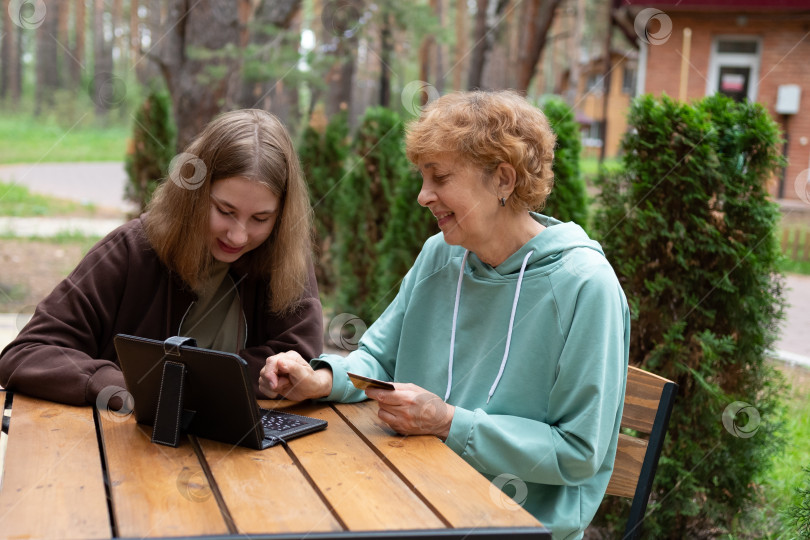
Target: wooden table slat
[(363, 491), (265, 490), (157, 490), (53, 485), (464, 499)]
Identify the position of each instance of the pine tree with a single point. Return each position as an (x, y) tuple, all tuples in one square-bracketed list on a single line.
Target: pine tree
[(568, 200), (152, 147), (323, 152), (363, 210)]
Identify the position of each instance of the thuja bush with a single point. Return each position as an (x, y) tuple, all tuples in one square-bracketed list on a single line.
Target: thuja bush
[(362, 212), (323, 151), (152, 147), (568, 200), (689, 228), (799, 513), (408, 227)]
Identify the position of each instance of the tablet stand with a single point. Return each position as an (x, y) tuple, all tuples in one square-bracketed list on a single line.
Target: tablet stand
[(171, 418)]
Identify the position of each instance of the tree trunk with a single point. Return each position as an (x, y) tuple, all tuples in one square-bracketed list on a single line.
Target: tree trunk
[(102, 87), (77, 64), (47, 68), (134, 35), (119, 33), (5, 50), (576, 45), (271, 93), (211, 25), (538, 21), (461, 43), (344, 40), (480, 46), (438, 10), (386, 48), (64, 60)]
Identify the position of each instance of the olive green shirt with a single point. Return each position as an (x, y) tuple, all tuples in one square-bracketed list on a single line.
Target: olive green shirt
[(215, 319)]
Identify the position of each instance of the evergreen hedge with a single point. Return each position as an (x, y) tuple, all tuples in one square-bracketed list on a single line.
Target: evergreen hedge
[(323, 152), (152, 147), (568, 200), (799, 513), (690, 230), (363, 213)]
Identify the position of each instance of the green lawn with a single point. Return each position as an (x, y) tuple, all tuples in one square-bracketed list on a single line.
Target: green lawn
[(17, 201), (777, 491), (24, 139)]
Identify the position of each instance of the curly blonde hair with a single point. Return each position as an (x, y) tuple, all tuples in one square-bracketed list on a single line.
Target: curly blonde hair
[(249, 143), (489, 128)]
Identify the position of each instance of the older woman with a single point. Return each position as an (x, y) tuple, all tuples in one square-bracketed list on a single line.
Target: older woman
[(222, 255), (509, 335)]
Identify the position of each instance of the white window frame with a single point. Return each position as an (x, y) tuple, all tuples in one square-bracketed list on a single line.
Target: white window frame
[(717, 59)]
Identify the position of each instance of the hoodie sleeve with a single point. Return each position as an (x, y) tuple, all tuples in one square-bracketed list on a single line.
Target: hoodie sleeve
[(585, 403), (56, 355), (376, 355)]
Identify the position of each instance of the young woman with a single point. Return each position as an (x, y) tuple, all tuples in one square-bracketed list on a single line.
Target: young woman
[(509, 336), (222, 255)]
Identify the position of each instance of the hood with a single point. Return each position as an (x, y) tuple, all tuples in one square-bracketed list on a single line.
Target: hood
[(547, 248)]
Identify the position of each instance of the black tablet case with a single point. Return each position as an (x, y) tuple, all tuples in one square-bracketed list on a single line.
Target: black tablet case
[(203, 392)]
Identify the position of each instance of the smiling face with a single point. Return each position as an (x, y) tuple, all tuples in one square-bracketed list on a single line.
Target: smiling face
[(463, 199), (243, 213)]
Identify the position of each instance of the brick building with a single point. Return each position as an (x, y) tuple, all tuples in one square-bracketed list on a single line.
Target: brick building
[(748, 49), (601, 125)]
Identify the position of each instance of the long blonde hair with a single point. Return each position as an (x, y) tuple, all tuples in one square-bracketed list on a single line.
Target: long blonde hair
[(248, 143)]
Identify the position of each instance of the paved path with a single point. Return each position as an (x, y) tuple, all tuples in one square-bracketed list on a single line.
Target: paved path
[(794, 344), (101, 184)]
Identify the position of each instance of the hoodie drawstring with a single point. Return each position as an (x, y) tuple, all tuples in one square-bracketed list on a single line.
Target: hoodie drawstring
[(508, 334), (453, 332)]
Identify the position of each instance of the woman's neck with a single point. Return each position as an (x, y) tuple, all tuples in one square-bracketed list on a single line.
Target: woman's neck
[(508, 237)]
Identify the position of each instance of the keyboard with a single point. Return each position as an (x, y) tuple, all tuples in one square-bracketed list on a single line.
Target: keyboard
[(275, 421)]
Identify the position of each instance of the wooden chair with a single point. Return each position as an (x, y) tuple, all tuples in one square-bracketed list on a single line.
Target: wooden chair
[(647, 406)]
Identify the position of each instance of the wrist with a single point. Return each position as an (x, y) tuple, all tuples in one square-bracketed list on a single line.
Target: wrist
[(324, 375), (448, 421)]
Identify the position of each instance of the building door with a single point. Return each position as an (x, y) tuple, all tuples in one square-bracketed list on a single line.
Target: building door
[(734, 67)]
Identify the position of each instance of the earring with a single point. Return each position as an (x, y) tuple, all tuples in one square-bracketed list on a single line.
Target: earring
[(503, 201)]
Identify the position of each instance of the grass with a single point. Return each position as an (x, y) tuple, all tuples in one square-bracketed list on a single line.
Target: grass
[(589, 167), (84, 241), (778, 488), (792, 262), (25, 139), (18, 201)]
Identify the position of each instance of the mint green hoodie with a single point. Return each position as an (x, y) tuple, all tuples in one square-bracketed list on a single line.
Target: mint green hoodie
[(542, 416)]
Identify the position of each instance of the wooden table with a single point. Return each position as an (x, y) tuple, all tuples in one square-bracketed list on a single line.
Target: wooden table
[(76, 472)]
